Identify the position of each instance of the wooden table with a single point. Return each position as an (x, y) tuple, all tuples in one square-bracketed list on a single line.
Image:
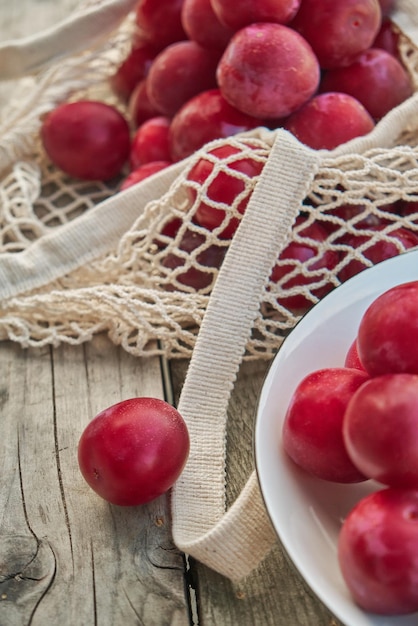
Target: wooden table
[(96, 564)]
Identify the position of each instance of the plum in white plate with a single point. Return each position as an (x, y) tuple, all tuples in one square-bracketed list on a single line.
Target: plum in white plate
[(308, 512)]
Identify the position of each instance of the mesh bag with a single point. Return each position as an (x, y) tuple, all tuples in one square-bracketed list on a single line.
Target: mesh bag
[(80, 258)]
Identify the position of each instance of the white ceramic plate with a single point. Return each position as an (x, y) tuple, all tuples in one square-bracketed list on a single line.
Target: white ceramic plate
[(307, 512)]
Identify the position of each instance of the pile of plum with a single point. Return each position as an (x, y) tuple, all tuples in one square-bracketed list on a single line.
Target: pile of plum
[(200, 70)]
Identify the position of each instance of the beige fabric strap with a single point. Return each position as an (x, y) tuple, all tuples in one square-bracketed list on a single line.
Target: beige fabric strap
[(91, 235), (78, 32), (200, 526)]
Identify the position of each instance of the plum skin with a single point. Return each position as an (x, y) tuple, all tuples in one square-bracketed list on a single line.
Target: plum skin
[(380, 428), (280, 11), (328, 120), (338, 31), (388, 332), (312, 428), (87, 139), (375, 78), (378, 551), (205, 117), (268, 71)]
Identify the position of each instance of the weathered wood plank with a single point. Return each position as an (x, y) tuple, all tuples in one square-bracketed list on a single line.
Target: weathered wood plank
[(27, 563), (274, 594), (66, 556)]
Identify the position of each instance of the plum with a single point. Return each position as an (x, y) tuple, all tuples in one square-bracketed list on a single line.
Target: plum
[(179, 72), (352, 358), (206, 260), (338, 31), (308, 252), (160, 21), (388, 332), (278, 11), (87, 139), (375, 78), (203, 26), (379, 429), (205, 117), (268, 71), (224, 188), (388, 38), (329, 120), (386, 247), (313, 424), (133, 69), (150, 142), (143, 172), (140, 107), (378, 551)]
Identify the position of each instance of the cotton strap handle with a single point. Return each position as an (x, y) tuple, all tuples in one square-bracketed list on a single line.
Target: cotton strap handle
[(234, 542)]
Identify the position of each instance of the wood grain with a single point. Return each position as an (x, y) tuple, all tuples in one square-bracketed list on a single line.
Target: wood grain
[(66, 556)]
